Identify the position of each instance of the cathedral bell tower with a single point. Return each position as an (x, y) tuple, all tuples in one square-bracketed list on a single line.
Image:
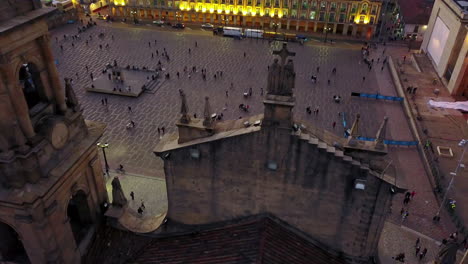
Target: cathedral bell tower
[(51, 183)]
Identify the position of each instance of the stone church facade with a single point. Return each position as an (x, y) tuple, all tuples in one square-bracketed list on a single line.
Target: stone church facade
[(51, 181), (217, 171)]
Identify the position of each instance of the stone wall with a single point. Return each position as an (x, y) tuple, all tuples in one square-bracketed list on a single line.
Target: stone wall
[(312, 188)]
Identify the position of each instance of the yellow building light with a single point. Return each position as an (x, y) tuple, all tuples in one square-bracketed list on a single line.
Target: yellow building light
[(235, 12), (203, 9), (272, 14), (262, 13), (211, 10), (227, 11), (219, 11), (244, 12), (280, 15), (366, 21), (181, 7), (253, 13)]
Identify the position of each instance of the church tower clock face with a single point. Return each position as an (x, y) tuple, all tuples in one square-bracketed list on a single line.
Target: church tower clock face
[(58, 135)]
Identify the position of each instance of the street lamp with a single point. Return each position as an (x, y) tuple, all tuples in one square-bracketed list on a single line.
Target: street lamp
[(463, 143), (103, 146), (327, 30)]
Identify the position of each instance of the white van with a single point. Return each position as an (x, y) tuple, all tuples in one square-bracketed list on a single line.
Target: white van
[(232, 32), (253, 33)]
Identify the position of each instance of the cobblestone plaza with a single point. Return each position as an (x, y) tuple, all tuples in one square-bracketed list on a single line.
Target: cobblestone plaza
[(134, 46)]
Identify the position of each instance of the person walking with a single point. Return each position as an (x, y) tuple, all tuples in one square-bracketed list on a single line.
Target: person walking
[(163, 130), (422, 254), (140, 211), (142, 204), (318, 69), (227, 94), (91, 76), (102, 101), (333, 125), (129, 109), (418, 248), (132, 194), (363, 78), (105, 100)]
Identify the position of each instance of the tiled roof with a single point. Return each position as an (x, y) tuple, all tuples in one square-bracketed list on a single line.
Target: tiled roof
[(263, 239), (416, 11)]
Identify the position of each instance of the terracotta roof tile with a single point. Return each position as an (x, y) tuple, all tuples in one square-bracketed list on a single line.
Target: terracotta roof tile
[(264, 239)]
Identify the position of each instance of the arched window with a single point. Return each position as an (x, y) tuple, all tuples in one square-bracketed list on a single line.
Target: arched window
[(30, 81), (364, 9)]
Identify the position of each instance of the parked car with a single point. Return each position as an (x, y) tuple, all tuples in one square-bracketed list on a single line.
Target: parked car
[(179, 25), (158, 23), (207, 26)]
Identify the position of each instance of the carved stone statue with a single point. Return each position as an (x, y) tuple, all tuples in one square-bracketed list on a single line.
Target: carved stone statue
[(72, 100), (289, 78), (207, 121), (183, 108), (274, 77), (448, 253), (118, 196), (281, 77)]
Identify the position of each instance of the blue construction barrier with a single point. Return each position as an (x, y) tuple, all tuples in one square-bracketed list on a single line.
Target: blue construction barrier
[(391, 142), (378, 96)]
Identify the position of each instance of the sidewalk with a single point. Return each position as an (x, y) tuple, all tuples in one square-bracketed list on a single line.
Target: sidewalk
[(442, 127)]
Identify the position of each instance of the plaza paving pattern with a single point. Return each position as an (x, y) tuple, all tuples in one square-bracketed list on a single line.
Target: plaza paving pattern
[(133, 148)]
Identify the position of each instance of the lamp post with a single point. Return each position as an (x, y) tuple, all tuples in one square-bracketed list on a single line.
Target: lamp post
[(103, 146), (463, 143), (327, 29)]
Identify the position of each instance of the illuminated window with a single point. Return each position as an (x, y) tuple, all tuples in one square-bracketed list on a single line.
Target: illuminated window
[(257, 11), (277, 3), (285, 4), (353, 9), (322, 16), (364, 9), (314, 5), (333, 6), (294, 4), (343, 7), (312, 15), (361, 19), (331, 17), (267, 12), (293, 14), (342, 18), (374, 10), (323, 5), (267, 3), (304, 4)]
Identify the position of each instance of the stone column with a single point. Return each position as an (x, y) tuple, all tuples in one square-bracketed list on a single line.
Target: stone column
[(334, 28), (211, 18), (354, 30), (345, 29), (297, 25), (44, 42), (287, 24), (235, 20), (315, 27), (244, 22), (18, 101), (306, 26)]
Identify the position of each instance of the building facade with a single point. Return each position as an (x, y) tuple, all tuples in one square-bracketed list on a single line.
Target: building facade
[(51, 182), (446, 44), (356, 18)]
